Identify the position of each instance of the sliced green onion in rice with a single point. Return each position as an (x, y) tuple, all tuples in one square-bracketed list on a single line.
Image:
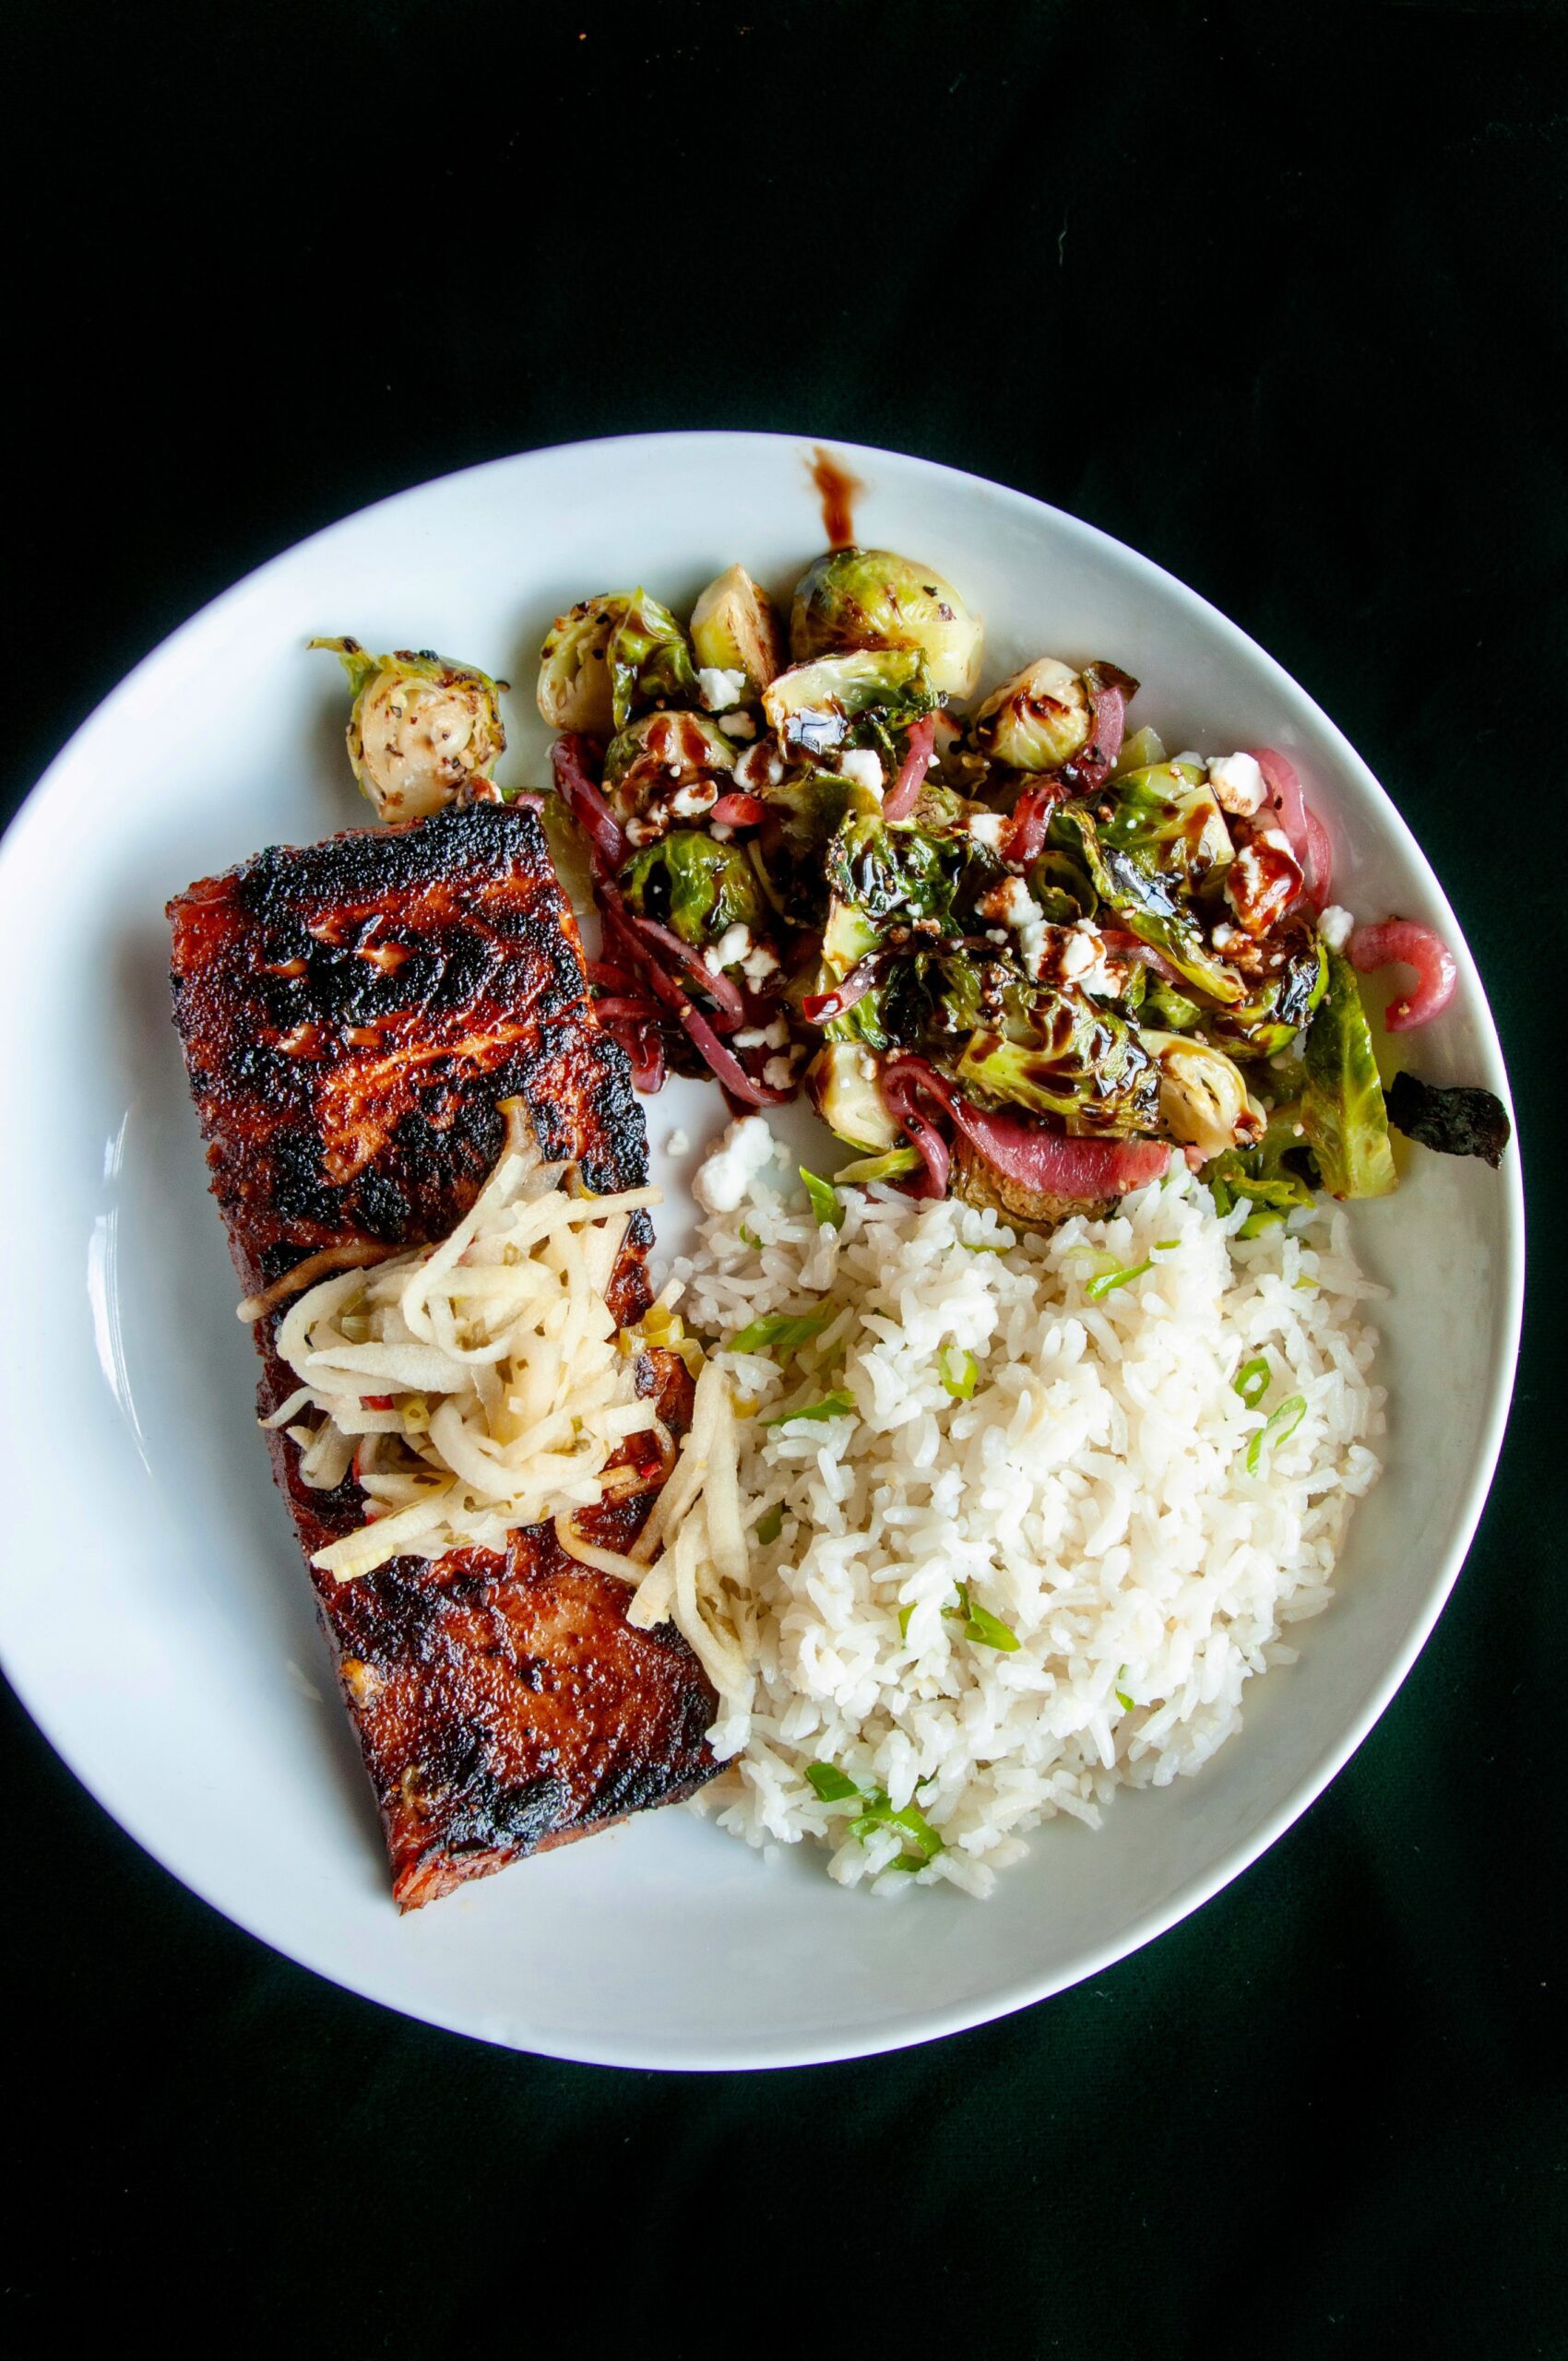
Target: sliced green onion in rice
[(832, 1785), (1098, 1288), (1166, 1245), (984, 1246), (957, 1369), (1255, 1224), (749, 1236), (826, 1205), (910, 1822), (867, 1168), (832, 1406), (1252, 1381), (986, 1630), (1280, 1428), (771, 1525), (1123, 1701), (782, 1333)]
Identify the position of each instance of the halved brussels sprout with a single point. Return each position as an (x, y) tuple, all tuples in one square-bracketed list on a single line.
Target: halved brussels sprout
[(873, 599), (814, 706), (607, 657), (1145, 903), (734, 629), (694, 885), (1144, 747), (1039, 720), (1275, 1011), (1064, 1055), (1203, 1098), (660, 753), (421, 731), (841, 1080), (1169, 816)]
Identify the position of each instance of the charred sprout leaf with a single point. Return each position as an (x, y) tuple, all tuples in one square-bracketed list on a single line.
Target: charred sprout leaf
[(1456, 1119), (814, 707), (832, 1785), (1145, 903), (1168, 817), (983, 1629), (781, 1333), (1280, 1429), (734, 629), (1261, 1173), (871, 598), (804, 809), (832, 1406), (957, 1368), (826, 1204), (694, 885), (841, 1081), (771, 1525), (1074, 1059), (1342, 1109), (1202, 1096), (867, 1168), (1251, 1380), (1169, 1009), (1039, 720), (1273, 1013), (423, 730)]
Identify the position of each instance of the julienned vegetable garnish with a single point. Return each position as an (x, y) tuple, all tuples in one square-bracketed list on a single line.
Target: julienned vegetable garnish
[(1008, 945)]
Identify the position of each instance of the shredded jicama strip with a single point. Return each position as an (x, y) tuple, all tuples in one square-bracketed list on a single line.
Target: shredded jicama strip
[(481, 1385)]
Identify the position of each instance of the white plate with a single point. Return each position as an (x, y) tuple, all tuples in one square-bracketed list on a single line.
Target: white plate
[(155, 1617)]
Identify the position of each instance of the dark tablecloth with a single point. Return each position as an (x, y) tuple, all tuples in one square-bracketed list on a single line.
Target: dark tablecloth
[(1274, 294)]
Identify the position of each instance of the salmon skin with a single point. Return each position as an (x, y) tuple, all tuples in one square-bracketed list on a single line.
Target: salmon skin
[(352, 1014)]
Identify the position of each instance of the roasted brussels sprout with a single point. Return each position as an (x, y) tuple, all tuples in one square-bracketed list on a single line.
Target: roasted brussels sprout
[(1167, 815), (734, 629), (607, 657), (1203, 1098), (1039, 720), (1145, 903), (694, 885), (1343, 1113), (895, 876), (421, 731), (1276, 1008), (1260, 1174), (814, 707), (1138, 751), (841, 1080), (658, 754), (1077, 1060), (871, 599)]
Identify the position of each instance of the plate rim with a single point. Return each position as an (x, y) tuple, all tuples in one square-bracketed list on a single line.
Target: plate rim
[(768, 2054)]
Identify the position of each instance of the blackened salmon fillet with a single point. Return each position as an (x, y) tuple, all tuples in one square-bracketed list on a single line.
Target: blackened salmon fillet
[(352, 1015)]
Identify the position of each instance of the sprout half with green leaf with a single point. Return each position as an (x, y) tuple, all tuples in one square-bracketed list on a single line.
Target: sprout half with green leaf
[(423, 730), (734, 629), (873, 599), (608, 656)]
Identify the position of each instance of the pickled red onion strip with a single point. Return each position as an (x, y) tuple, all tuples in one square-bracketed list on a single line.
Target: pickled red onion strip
[(1437, 971), (899, 800)]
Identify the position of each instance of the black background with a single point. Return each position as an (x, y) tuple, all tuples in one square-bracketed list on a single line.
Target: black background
[(1275, 293)]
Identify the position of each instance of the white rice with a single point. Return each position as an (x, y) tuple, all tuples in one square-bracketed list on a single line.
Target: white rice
[(1093, 1496)]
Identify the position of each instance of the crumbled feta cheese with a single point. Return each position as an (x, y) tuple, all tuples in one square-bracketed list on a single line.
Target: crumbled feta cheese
[(759, 766), (643, 832), (986, 828), (775, 1036), (1011, 901), (737, 724), (729, 951), (778, 1073), (1197, 760), (721, 1184), (700, 796), (1336, 925), (1079, 953), (1224, 935), (759, 963), (1238, 783), (864, 769), (719, 833), (1033, 942), (1277, 839), (677, 1143), (996, 935), (720, 687)]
